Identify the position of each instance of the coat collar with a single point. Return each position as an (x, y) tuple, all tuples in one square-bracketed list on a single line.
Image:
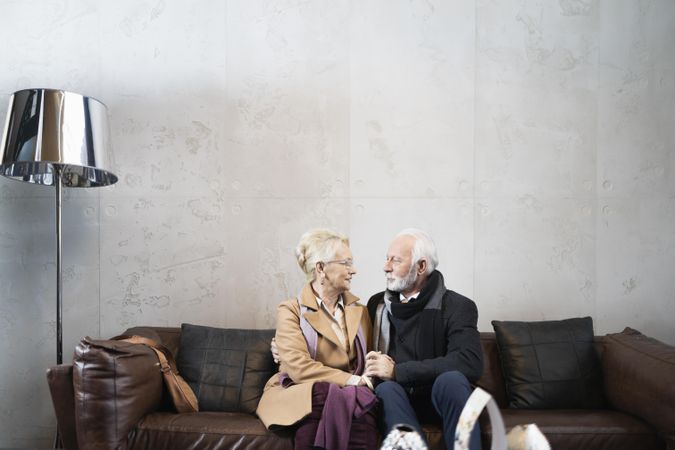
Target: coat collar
[(323, 324), (308, 299)]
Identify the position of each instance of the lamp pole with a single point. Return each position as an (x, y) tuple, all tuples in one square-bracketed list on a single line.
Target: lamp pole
[(59, 287)]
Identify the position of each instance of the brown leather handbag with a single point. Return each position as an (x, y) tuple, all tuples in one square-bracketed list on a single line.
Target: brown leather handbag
[(183, 397)]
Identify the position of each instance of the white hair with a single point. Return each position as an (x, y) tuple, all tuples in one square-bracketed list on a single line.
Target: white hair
[(424, 248)]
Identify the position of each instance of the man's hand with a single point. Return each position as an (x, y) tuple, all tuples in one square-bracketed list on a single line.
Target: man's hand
[(274, 350), (379, 365)]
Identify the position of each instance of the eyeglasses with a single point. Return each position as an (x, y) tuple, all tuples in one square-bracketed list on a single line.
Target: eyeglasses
[(343, 262)]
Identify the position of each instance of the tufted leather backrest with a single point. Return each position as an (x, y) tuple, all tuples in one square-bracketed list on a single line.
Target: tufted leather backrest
[(226, 368), (491, 380)]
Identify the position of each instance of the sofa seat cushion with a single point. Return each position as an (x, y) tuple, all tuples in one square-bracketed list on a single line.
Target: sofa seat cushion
[(581, 429), (212, 430)]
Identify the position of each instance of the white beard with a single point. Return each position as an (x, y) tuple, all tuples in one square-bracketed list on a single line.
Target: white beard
[(397, 284)]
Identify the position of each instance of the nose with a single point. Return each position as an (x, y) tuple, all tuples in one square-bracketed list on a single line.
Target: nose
[(387, 266)]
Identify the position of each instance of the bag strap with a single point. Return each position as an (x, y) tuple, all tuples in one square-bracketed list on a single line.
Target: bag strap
[(310, 334), (166, 360), (361, 352), (183, 397)]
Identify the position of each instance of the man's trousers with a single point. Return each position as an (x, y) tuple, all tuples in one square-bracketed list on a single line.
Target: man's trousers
[(448, 396)]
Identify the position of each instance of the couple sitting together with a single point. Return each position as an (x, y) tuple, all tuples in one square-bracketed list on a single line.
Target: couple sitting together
[(409, 357)]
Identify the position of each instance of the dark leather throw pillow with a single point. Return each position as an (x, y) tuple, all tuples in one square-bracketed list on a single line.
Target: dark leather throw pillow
[(226, 368), (550, 364), (115, 383)]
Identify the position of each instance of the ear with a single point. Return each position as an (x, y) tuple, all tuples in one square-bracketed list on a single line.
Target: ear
[(318, 267), (421, 266)]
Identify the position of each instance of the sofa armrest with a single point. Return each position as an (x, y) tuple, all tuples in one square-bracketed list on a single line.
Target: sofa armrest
[(639, 379), (115, 384), (60, 381)]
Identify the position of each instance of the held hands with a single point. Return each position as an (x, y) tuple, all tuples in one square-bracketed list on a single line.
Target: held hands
[(379, 365)]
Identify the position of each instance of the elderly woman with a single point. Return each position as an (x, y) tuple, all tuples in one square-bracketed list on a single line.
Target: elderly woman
[(323, 336)]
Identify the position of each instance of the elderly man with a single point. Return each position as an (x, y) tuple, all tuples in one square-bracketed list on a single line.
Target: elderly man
[(428, 346)]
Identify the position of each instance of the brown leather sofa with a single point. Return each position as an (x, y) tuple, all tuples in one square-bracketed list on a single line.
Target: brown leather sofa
[(132, 412)]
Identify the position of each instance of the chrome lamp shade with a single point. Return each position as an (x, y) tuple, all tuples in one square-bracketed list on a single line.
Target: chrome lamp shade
[(61, 139), (49, 130)]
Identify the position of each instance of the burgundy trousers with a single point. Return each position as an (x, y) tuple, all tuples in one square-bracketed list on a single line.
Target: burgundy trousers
[(363, 434)]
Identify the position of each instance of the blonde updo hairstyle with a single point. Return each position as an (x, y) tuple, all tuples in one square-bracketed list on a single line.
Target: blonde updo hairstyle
[(319, 245)]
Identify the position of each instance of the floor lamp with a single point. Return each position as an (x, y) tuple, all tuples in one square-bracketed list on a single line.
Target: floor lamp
[(56, 138)]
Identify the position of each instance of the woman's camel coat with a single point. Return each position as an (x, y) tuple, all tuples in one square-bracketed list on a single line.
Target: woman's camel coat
[(286, 406)]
